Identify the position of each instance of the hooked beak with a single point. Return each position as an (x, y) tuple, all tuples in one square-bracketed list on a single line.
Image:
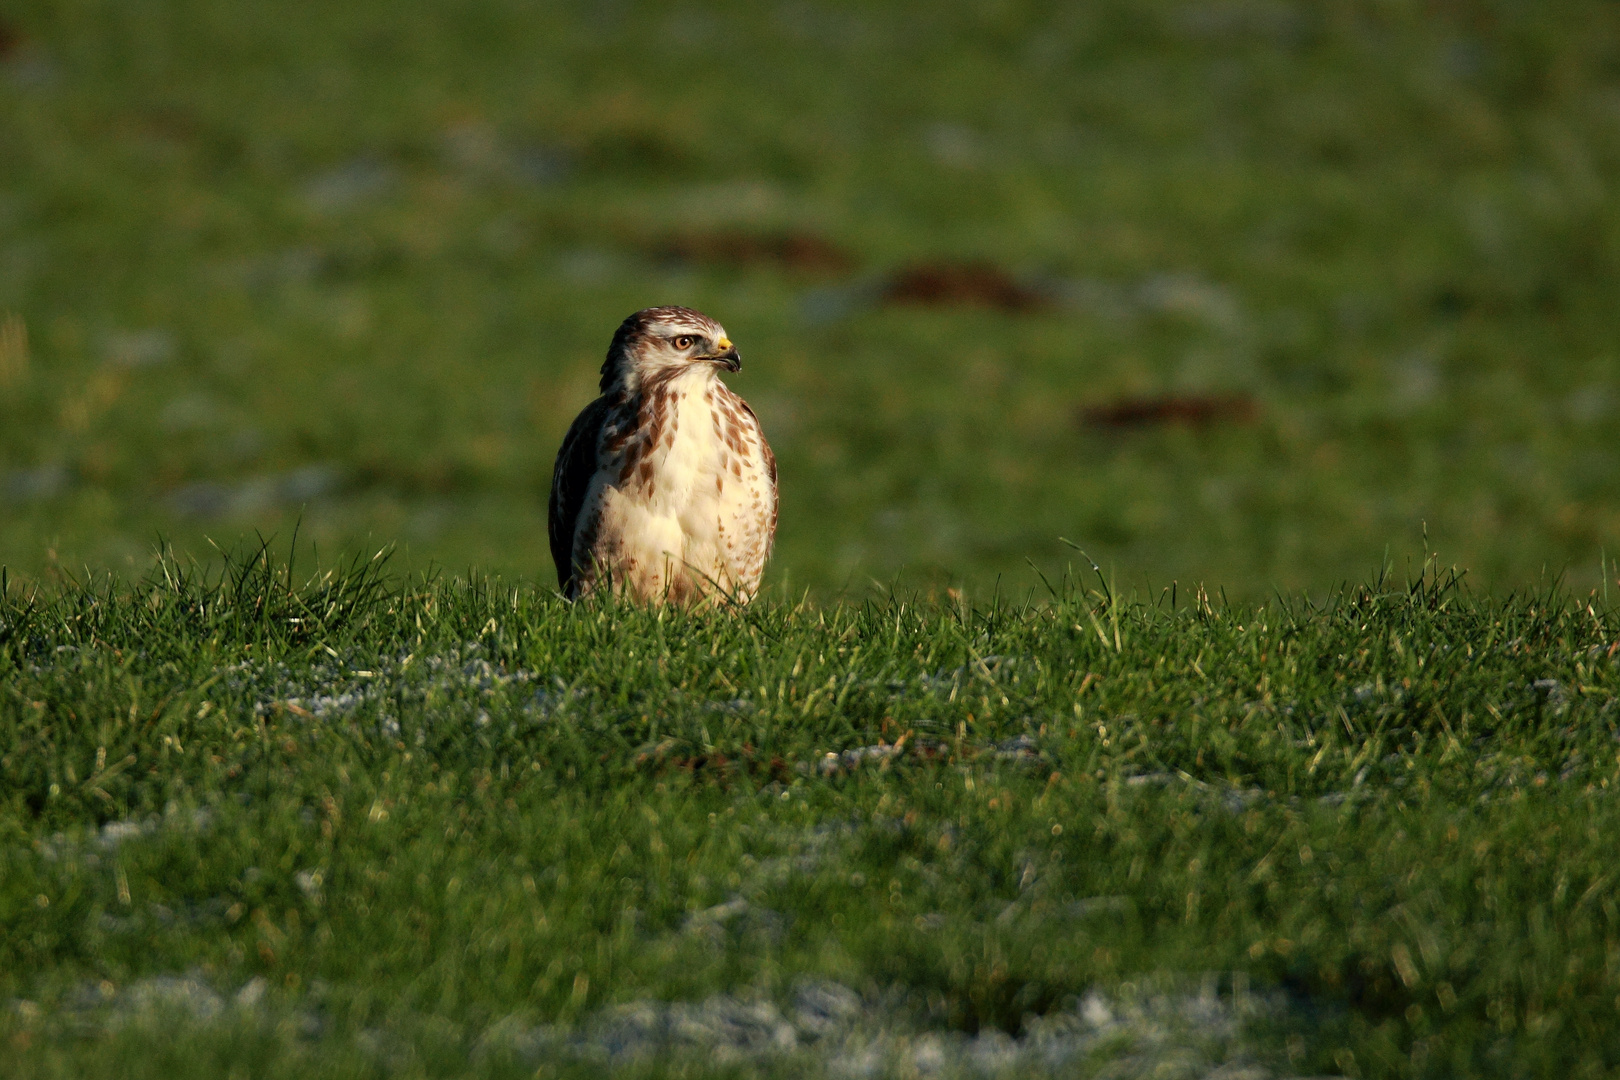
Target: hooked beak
[(726, 356)]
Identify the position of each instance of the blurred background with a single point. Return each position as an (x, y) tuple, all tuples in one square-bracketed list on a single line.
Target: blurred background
[(1244, 292)]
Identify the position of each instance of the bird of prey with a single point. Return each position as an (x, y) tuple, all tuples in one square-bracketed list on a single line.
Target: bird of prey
[(664, 489)]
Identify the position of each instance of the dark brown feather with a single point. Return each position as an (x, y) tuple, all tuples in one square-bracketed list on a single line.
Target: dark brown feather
[(570, 479)]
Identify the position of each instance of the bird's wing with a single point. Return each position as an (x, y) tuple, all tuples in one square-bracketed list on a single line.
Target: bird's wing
[(770, 471), (570, 479)]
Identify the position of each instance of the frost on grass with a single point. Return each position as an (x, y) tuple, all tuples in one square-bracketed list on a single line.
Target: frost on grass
[(1170, 1030), (173, 1006), (1168, 1027), (458, 686), (112, 835)]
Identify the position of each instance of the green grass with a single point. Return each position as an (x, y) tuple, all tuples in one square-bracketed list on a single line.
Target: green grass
[(426, 813), (355, 265), (388, 242)]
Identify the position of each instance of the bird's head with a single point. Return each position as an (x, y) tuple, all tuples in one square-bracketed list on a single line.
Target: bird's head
[(663, 340)]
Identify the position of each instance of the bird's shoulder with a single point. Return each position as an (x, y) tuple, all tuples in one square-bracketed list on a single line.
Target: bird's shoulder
[(583, 442)]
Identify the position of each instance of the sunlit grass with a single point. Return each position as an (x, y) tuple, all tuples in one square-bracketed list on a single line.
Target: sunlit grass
[(395, 800)]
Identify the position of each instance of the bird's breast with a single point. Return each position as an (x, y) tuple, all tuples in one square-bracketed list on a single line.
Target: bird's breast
[(678, 449), (684, 481)]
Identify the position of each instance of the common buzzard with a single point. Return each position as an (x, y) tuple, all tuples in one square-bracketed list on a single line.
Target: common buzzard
[(664, 489)]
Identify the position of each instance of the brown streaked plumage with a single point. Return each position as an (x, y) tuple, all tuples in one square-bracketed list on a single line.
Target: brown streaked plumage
[(664, 488)]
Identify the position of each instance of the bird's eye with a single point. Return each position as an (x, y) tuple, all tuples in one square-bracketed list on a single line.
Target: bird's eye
[(683, 342)]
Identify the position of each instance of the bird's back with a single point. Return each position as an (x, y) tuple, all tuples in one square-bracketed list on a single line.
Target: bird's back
[(571, 478)]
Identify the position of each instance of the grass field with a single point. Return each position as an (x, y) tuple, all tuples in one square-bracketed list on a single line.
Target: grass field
[(360, 263), (1246, 298), (461, 828)]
